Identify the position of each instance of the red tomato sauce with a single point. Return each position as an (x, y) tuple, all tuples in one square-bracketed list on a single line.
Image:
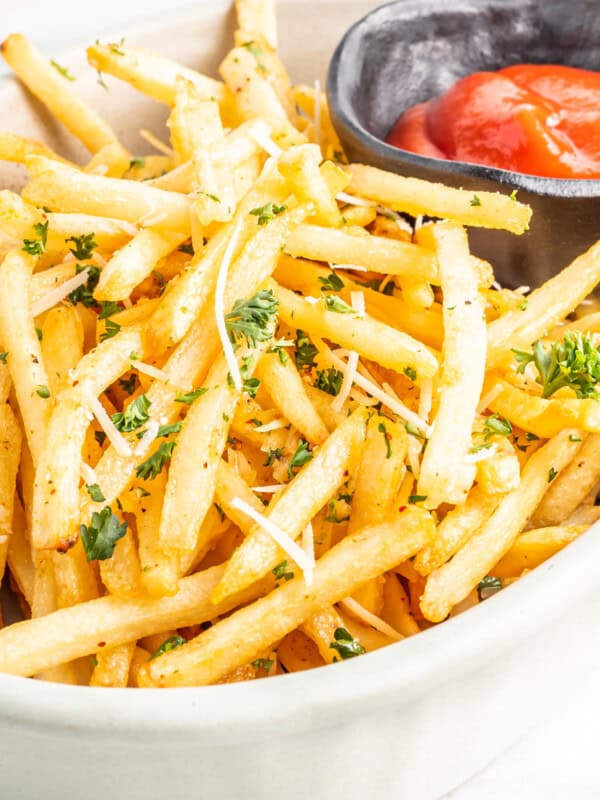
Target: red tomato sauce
[(536, 119)]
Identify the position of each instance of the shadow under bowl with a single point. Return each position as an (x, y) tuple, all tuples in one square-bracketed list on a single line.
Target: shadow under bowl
[(409, 51)]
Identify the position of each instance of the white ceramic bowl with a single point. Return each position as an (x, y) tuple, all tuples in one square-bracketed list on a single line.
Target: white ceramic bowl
[(410, 721)]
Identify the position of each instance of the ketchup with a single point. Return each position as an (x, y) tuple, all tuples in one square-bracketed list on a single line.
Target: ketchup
[(537, 119)]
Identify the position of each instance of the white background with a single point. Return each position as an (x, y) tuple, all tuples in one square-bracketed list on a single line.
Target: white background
[(558, 759)]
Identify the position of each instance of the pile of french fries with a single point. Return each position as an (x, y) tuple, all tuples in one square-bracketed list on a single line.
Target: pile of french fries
[(257, 414)]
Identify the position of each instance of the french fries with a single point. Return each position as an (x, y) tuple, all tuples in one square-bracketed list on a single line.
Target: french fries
[(254, 419)]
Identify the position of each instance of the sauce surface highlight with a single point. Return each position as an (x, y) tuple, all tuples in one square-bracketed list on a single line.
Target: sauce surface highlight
[(536, 119)]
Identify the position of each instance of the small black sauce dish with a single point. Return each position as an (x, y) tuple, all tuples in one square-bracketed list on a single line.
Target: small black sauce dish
[(409, 51)]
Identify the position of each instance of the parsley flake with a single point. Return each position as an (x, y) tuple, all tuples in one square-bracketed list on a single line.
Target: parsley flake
[(332, 283), (152, 466), (135, 415), (329, 380), (346, 645), (169, 644), (188, 397), (37, 246), (267, 212), (63, 70), (252, 319), (84, 245), (101, 535), (282, 573), (301, 457), (338, 305), (305, 351), (95, 492)]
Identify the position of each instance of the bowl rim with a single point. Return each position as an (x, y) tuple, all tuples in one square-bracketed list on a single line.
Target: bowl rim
[(387, 678), (344, 117)]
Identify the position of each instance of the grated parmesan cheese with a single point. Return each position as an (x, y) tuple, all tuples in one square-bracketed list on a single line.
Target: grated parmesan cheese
[(54, 296), (88, 474), (370, 619), (308, 543), (285, 541), (355, 267), (156, 142), (262, 139), (115, 437), (228, 351), (274, 425), (149, 436), (274, 487), (151, 371), (350, 200), (482, 455)]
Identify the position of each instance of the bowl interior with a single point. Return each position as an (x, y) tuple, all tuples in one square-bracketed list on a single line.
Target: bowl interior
[(409, 51)]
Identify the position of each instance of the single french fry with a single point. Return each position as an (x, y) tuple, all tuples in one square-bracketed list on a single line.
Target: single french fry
[(300, 166), (456, 529), (544, 417), (195, 461), (296, 507), (546, 306), (158, 576), (396, 607), (451, 583), (379, 474), (62, 345), (19, 338), (367, 336), (257, 17), (321, 627), (338, 574), (150, 73), (297, 652), (10, 454), (532, 548), (56, 494), (16, 148), (340, 246), (416, 196), (287, 390), (134, 262), (255, 96), (29, 647), (140, 656), (76, 579), (112, 666), (56, 93), (63, 188), (570, 489), (445, 475), (272, 68)]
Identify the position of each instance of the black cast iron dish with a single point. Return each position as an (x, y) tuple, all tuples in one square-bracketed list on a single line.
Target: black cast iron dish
[(409, 51)]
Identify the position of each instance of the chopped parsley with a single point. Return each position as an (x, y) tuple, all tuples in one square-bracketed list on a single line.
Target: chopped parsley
[(329, 380), (332, 283), (338, 305), (279, 346), (252, 319), (100, 437), (257, 52), (95, 492), (305, 351), (574, 438), (301, 457), (169, 644), (332, 514), (188, 397), (137, 163), (475, 201), (152, 466), (275, 454), (412, 431), (212, 197), (346, 645), (187, 248), (263, 663), (84, 294), (135, 415), (111, 329), (3, 357), (488, 586), (417, 498), (386, 438), (128, 384), (574, 363), (101, 535), (410, 373), (63, 70), (552, 473), (267, 212), (42, 391), (37, 246), (167, 430), (495, 425), (249, 385), (282, 573), (84, 245)]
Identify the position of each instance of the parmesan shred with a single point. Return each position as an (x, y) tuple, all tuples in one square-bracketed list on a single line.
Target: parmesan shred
[(3, 539), (59, 293), (274, 425), (355, 267), (308, 543), (350, 200), (489, 397), (358, 304), (317, 112), (118, 441), (370, 619), (262, 139), (426, 399), (274, 487), (392, 402), (151, 371), (88, 474), (232, 363), (481, 455), (149, 436), (285, 541), (156, 142)]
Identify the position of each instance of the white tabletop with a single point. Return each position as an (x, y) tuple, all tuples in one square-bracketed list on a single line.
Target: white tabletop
[(556, 761)]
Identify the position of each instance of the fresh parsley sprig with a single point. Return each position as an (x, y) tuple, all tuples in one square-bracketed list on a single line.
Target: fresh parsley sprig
[(101, 535), (329, 380), (267, 212), (152, 466), (253, 319), (301, 456), (134, 416), (574, 362), (37, 246), (83, 245), (346, 645), (305, 351)]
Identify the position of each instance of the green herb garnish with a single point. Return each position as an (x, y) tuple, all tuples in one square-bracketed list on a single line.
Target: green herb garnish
[(101, 535)]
